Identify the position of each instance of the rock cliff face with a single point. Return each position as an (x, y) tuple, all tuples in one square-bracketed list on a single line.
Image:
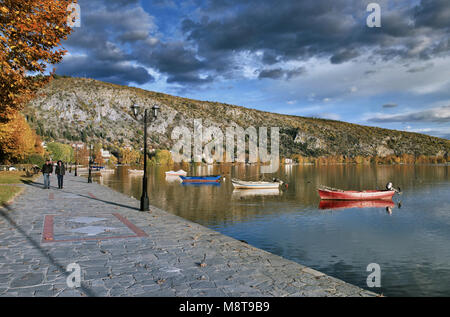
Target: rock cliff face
[(90, 110)]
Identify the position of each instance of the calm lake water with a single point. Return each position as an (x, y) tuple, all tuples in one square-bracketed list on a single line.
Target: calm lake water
[(411, 243)]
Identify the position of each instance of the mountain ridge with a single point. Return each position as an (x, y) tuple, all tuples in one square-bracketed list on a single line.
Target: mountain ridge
[(72, 109)]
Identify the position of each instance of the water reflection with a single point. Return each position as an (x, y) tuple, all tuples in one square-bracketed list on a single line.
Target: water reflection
[(194, 184), (409, 239), (250, 193), (344, 204)]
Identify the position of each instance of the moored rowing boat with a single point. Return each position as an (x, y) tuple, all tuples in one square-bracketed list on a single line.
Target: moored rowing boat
[(338, 194)]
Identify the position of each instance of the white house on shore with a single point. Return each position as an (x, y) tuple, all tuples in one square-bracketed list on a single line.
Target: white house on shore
[(105, 154)]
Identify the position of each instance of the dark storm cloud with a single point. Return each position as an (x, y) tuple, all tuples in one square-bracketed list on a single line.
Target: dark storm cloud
[(206, 44), (271, 73), (437, 115), (390, 105), (117, 73), (98, 47), (179, 63), (343, 56), (433, 13), (298, 30), (277, 73)]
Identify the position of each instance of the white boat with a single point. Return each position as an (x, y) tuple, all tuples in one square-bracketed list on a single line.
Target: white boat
[(239, 184), (177, 173), (136, 171), (107, 170), (173, 179)]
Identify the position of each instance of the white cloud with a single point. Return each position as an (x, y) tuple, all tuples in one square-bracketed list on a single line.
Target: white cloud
[(439, 115)]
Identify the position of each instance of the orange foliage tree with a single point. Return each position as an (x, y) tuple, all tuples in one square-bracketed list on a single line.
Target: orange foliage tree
[(38, 148), (83, 156), (30, 32), (129, 156), (98, 154), (17, 139)]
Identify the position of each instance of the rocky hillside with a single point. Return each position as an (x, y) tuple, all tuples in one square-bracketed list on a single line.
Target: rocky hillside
[(86, 109)]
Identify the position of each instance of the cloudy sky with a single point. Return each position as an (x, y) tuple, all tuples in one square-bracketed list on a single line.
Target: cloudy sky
[(313, 58)]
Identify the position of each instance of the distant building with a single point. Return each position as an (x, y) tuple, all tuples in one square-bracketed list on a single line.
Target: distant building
[(288, 161), (106, 155), (79, 145)]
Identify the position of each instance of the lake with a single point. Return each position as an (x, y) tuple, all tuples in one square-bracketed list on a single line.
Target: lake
[(410, 241)]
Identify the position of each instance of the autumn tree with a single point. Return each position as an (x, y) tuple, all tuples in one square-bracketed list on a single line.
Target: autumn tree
[(98, 154), (17, 139), (129, 156), (82, 156), (161, 157), (38, 148), (30, 33), (112, 161)]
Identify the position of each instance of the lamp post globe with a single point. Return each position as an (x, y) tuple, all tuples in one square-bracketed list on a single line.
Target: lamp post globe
[(155, 109)]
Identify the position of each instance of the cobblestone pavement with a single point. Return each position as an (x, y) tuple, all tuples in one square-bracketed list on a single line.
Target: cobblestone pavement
[(124, 252)]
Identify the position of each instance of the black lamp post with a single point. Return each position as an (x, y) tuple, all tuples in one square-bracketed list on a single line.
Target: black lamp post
[(76, 159), (144, 198), (90, 165)]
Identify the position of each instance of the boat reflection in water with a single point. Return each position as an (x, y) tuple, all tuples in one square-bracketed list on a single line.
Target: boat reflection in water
[(345, 204), (246, 193), (173, 179), (217, 184), (134, 173)]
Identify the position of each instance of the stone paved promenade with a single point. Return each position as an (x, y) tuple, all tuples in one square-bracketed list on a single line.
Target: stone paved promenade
[(124, 252)]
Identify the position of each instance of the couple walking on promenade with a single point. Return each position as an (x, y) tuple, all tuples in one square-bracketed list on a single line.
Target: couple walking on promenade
[(47, 170)]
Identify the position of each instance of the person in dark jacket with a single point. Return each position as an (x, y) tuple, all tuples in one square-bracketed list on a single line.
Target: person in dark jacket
[(60, 171), (47, 170)]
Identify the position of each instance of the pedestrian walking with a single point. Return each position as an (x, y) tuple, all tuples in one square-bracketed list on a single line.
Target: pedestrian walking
[(60, 171), (47, 170)]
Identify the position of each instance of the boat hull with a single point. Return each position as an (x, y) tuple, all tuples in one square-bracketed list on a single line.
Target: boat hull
[(200, 179), (254, 185), (356, 195)]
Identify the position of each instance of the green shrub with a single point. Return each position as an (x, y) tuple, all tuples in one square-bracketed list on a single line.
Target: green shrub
[(34, 159)]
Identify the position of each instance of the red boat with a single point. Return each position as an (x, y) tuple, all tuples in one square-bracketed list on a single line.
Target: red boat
[(344, 204), (338, 194)]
